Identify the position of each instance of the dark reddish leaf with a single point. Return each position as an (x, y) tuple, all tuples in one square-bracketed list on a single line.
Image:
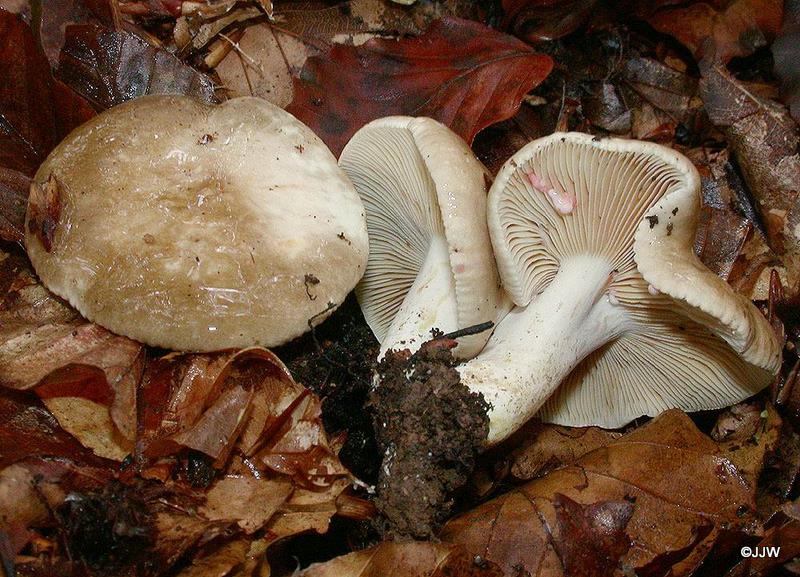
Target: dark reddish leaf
[(542, 20), (13, 200), (591, 539), (109, 67), (736, 28), (35, 113), (58, 14), (28, 429), (459, 72)]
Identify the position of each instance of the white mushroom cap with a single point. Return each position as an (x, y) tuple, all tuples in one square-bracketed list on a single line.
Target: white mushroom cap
[(430, 263), (571, 217), (197, 227)]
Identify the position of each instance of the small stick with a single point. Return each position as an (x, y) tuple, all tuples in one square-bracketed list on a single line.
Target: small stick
[(468, 331)]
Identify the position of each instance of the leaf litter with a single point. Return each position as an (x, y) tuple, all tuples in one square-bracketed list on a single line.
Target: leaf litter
[(117, 459)]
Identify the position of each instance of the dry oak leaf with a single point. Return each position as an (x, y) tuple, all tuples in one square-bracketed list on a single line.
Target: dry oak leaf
[(36, 111), (735, 27), (681, 489), (410, 559), (459, 72)]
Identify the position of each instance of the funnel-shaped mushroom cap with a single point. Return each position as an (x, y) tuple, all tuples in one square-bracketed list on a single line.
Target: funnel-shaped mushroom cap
[(197, 227), (430, 261), (658, 329)]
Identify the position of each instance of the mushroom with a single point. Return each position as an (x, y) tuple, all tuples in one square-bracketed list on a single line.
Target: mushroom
[(197, 227), (430, 259), (616, 317)]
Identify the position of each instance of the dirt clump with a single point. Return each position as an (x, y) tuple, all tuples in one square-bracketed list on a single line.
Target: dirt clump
[(108, 530), (429, 428)]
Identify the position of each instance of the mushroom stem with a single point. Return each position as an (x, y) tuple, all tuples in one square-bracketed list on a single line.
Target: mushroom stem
[(535, 347), (429, 303)]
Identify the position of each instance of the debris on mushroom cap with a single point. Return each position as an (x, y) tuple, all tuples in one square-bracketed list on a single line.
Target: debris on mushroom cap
[(430, 263), (631, 327), (197, 227)]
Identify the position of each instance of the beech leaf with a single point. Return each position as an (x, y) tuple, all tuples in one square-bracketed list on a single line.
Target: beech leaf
[(109, 67), (459, 72), (656, 497), (420, 559), (35, 110), (735, 28)]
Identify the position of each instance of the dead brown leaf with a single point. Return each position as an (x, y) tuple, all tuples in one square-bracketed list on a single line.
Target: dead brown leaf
[(47, 345), (13, 201), (35, 110), (410, 559), (546, 447), (109, 67), (736, 27), (785, 52), (683, 489), (247, 501), (764, 139)]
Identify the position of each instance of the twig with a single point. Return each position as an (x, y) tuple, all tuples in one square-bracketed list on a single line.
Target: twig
[(468, 331)]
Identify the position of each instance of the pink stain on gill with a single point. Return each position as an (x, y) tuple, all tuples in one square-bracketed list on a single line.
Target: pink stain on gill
[(563, 202)]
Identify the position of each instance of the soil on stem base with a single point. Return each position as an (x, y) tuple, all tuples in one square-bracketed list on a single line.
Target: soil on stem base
[(430, 428)]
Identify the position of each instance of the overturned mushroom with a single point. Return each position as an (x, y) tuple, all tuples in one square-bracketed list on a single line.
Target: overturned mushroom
[(197, 227), (430, 262), (593, 239)]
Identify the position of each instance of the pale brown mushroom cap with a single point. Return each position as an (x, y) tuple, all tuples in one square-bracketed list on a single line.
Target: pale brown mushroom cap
[(198, 227)]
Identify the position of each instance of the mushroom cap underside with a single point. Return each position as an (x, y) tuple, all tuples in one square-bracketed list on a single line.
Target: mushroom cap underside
[(420, 181), (635, 205)]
